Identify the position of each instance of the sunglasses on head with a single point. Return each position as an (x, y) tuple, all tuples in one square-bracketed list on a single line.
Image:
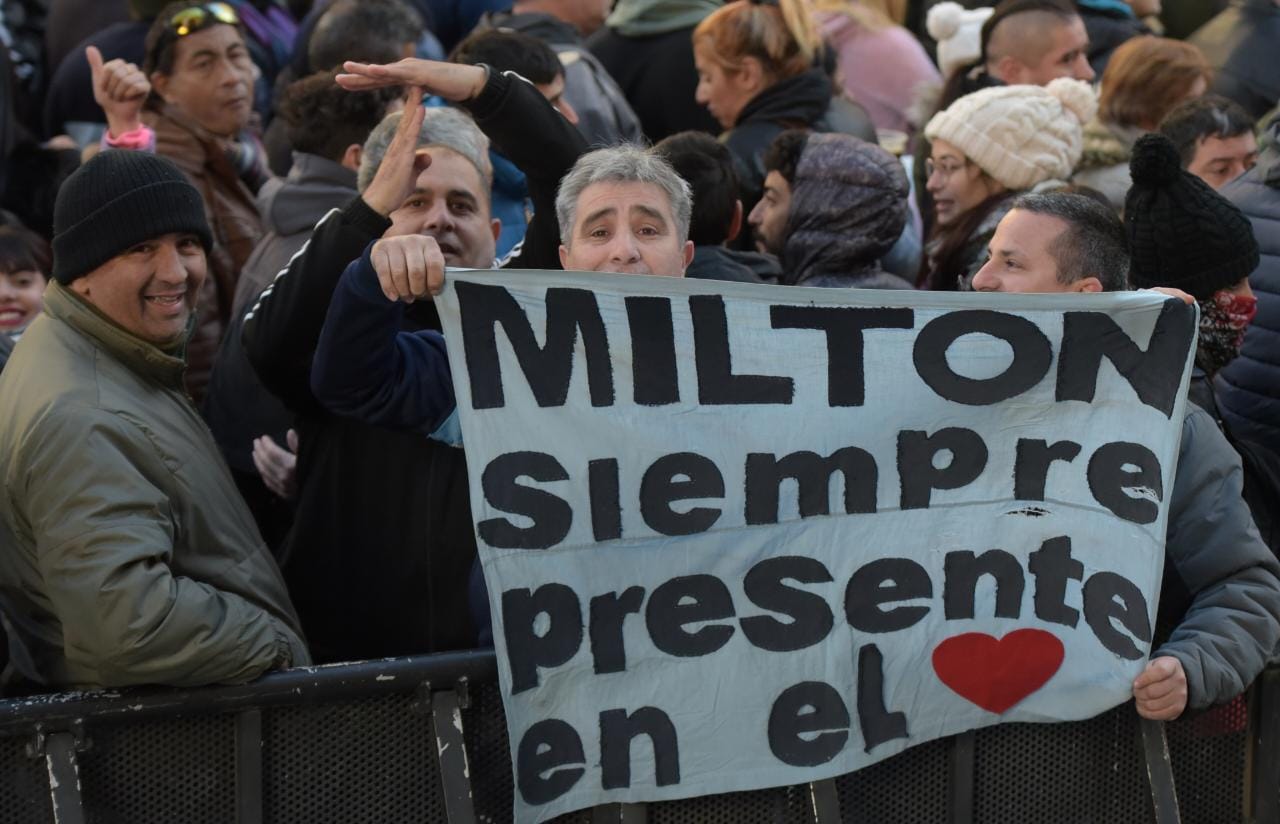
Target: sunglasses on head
[(195, 18)]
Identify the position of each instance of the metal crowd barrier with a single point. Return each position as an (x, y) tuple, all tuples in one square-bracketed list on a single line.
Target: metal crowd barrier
[(423, 739)]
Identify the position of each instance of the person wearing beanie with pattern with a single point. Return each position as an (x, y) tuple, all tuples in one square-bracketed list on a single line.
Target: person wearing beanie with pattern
[(985, 148), (133, 559), (1184, 234)]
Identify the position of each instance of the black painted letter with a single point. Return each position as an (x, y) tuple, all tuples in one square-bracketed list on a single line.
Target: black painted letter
[(551, 515)]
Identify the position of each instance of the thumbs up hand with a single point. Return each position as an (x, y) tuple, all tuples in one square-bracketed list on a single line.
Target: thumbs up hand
[(120, 88)]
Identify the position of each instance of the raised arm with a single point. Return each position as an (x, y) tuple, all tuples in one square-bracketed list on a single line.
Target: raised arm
[(282, 327), (517, 119)]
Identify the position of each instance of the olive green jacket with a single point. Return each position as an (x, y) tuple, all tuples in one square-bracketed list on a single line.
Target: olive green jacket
[(130, 555)]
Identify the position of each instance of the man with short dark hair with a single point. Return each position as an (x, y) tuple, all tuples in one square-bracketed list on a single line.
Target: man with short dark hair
[(1057, 243), (1221, 589), (707, 166), (372, 31), (134, 559), (604, 116), (1035, 41), (529, 57), (1214, 138)]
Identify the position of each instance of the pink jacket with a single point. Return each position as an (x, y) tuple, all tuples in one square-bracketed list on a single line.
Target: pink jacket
[(880, 69)]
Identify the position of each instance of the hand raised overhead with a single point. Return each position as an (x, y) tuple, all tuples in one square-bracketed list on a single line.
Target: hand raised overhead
[(402, 162), (452, 81), (120, 88)]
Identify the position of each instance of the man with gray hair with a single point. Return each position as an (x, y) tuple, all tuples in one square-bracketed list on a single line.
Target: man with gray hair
[(621, 209), (383, 516)]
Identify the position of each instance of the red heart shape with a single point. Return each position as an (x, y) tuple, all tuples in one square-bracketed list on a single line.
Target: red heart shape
[(996, 673)]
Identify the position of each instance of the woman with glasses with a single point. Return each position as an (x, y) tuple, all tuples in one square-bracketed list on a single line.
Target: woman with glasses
[(192, 102), (987, 147)]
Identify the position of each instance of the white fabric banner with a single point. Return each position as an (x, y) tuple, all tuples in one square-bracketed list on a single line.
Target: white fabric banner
[(743, 536)]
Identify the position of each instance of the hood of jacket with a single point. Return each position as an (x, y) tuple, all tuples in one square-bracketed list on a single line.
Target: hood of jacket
[(643, 18), (848, 208), (550, 30), (795, 102), (296, 203)]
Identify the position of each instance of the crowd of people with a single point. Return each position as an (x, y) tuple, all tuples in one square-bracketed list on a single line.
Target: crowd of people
[(227, 437)]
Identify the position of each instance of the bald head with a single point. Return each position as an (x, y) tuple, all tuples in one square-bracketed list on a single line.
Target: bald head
[(1038, 45)]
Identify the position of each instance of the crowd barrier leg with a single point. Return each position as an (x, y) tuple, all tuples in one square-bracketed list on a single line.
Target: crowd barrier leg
[(825, 799), (1263, 804), (249, 785), (451, 751), (962, 776), (1164, 793), (59, 750)]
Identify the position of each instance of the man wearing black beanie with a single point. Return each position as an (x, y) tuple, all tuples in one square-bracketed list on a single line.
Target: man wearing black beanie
[(133, 559)]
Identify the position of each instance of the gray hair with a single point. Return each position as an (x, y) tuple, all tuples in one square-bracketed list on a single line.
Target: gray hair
[(1094, 243), (623, 164), (445, 127)]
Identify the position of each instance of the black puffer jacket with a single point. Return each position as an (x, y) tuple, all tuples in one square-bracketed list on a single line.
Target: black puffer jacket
[(1248, 388)]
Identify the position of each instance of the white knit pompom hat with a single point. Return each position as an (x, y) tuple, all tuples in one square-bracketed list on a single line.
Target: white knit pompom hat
[(1020, 135), (959, 34)]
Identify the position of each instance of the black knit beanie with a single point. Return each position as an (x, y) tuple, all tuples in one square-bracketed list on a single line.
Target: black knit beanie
[(114, 202), (1181, 232)]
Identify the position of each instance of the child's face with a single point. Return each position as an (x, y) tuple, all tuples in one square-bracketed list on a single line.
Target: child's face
[(21, 298)]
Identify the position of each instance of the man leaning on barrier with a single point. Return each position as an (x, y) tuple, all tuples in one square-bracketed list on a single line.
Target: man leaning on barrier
[(1220, 597), (133, 558)]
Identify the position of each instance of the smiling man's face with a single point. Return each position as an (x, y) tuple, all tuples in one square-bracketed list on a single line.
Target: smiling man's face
[(149, 290), (451, 204)]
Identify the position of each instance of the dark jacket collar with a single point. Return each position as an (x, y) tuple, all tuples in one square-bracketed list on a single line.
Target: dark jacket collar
[(549, 29), (163, 366), (797, 101)]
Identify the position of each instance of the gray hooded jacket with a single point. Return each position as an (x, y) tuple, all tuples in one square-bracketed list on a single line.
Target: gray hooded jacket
[(848, 207)]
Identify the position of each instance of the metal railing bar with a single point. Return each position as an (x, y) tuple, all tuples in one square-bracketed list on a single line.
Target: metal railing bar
[(295, 686)]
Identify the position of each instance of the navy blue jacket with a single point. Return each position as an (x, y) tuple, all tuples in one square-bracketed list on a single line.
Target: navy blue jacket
[(1249, 387)]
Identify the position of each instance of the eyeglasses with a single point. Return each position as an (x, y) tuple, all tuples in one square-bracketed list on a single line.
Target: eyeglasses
[(195, 18), (943, 170)]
